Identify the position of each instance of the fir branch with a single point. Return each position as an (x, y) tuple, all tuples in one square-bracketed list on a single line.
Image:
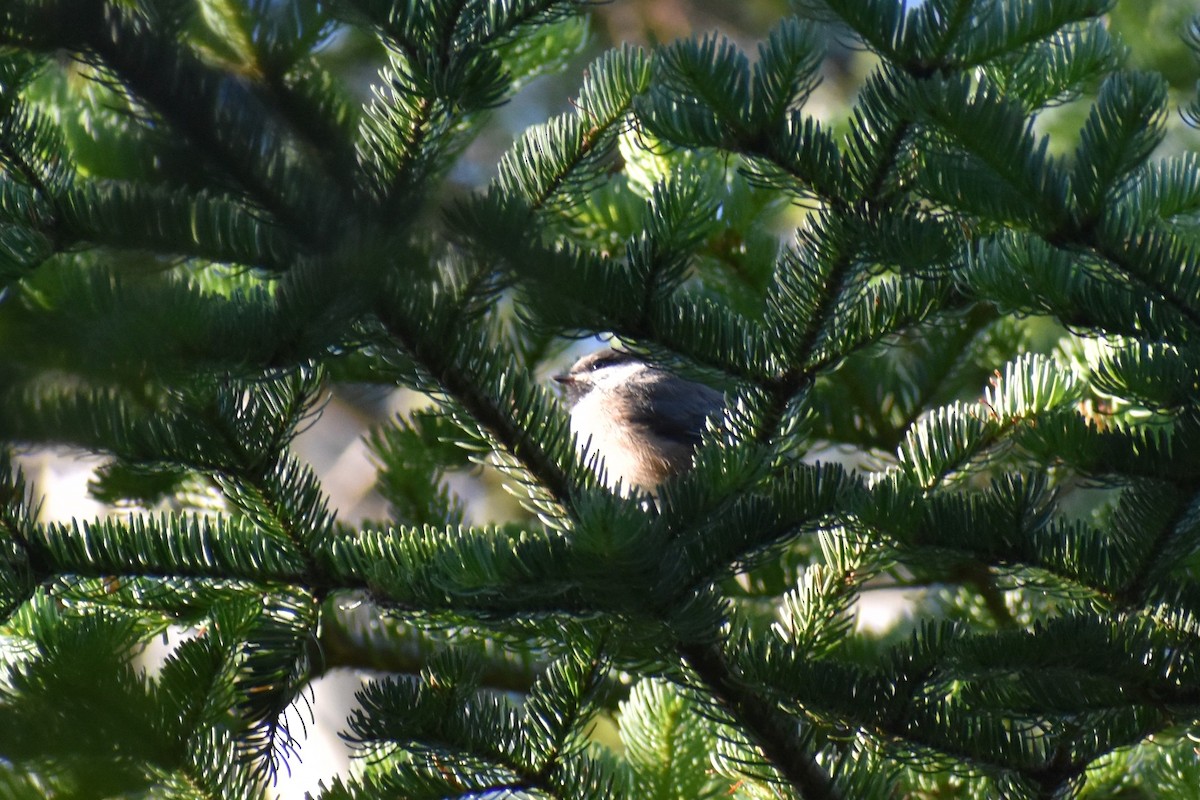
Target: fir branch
[(175, 548), (880, 24), (173, 222), (394, 133), (968, 330), (449, 375), (611, 86), (838, 258), (1121, 254), (1003, 28), (21, 563), (835, 243), (286, 501), (346, 642), (1123, 128), (1152, 559), (19, 158), (939, 179), (941, 28), (769, 727), (231, 123), (1013, 535), (481, 741)]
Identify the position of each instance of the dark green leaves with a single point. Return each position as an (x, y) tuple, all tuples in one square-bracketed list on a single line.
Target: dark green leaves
[(704, 94), (701, 94), (78, 698), (445, 68), (1122, 129), (983, 155), (953, 34), (456, 737), (668, 743)]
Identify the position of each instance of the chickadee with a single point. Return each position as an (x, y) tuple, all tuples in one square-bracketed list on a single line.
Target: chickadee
[(643, 421)]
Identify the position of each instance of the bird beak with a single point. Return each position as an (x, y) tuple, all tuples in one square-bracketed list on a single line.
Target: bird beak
[(564, 378)]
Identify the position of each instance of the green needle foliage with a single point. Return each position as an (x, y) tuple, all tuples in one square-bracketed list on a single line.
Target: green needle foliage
[(958, 329)]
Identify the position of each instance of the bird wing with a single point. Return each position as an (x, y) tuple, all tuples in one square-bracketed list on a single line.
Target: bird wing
[(676, 410)]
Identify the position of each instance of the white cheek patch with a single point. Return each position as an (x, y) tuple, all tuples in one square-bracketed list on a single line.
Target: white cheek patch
[(599, 435), (615, 375)]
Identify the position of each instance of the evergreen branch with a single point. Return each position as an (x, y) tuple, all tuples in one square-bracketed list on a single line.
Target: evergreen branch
[(170, 547), (786, 72), (18, 158), (409, 121), (880, 24), (311, 102), (873, 397), (1152, 560), (449, 374), (739, 524), (1123, 128), (196, 688), (1085, 276), (941, 28), (213, 658), (805, 153), (701, 97), (570, 151), (1151, 374), (832, 239), (285, 500), (546, 158), (346, 642), (222, 115), (1057, 69), (921, 694), (1013, 532), (504, 19), (668, 742), (1003, 28), (413, 456), (447, 68), (558, 706), (1074, 285), (837, 258), (1125, 256), (77, 695), (481, 741), (950, 437), (885, 308), (275, 672), (20, 562), (171, 221), (464, 575), (767, 725), (947, 439), (940, 178), (578, 291), (1167, 189), (999, 139)]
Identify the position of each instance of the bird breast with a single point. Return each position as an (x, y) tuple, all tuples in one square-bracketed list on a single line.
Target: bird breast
[(631, 456)]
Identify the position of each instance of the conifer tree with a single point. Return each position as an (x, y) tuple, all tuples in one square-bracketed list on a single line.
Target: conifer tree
[(972, 369)]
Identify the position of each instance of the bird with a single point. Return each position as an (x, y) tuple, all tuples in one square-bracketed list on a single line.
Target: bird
[(643, 420)]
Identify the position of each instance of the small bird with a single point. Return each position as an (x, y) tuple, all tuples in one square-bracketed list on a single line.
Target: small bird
[(644, 421)]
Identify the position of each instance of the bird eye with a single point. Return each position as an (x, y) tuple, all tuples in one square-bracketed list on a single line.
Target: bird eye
[(606, 361), (600, 361)]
